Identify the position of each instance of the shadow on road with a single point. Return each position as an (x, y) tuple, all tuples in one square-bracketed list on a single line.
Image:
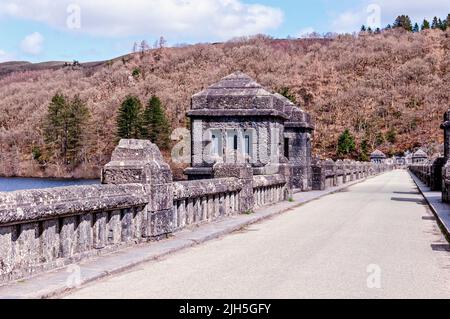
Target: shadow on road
[(440, 247), (411, 200), (407, 193)]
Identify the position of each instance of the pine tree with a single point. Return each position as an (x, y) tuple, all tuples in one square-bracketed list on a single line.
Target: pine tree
[(129, 118), (346, 144), (156, 127), (441, 25), (425, 25), (363, 28), (364, 151), (416, 27), (286, 92), (404, 22), (447, 22), (65, 126), (435, 23), (391, 136)]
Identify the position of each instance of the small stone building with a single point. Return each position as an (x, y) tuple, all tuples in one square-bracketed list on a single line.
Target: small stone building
[(419, 157), (236, 120), (377, 157)]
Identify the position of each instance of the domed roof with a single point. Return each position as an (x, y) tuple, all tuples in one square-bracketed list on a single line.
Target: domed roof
[(378, 153), (420, 153), (237, 94)]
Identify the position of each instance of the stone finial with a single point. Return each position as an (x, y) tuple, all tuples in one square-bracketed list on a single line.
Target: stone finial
[(136, 161)]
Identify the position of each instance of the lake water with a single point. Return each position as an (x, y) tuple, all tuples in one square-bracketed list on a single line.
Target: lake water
[(15, 184)]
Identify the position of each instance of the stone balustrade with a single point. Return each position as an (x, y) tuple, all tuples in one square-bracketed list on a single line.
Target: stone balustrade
[(138, 203), (327, 173), (200, 201), (44, 229), (430, 172), (269, 189)]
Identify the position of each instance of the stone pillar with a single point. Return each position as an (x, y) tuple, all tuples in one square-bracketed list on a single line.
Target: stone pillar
[(436, 173), (245, 173), (446, 169), (318, 175), (140, 161)]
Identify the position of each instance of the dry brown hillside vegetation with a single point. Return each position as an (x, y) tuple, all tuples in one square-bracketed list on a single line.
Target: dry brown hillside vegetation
[(389, 89)]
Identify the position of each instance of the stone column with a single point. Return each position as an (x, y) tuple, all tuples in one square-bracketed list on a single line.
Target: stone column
[(446, 169), (140, 161), (318, 175)]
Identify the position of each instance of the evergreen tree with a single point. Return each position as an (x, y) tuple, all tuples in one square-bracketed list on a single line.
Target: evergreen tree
[(425, 25), (404, 22), (65, 127), (447, 21), (156, 127), (388, 27), (129, 118), (441, 25), (363, 28), (416, 27), (286, 92), (435, 23), (346, 144), (364, 151), (369, 29), (391, 136)]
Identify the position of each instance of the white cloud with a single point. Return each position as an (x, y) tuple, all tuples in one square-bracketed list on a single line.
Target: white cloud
[(198, 19), (32, 44), (348, 22), (5, 56), (352, 20)]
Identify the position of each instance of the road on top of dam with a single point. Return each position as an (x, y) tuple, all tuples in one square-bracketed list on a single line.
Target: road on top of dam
[(376, 239)]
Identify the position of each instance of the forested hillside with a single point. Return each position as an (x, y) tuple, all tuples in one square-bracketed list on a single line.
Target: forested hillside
[(389, 89)]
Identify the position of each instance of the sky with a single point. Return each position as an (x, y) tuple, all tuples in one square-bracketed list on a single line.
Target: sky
[(93, 30)]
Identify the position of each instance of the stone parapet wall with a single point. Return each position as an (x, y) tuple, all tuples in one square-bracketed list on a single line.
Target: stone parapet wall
[(431, 173), (270, 189), (45, 229), (327, 173), (138, 203), (202, 201)]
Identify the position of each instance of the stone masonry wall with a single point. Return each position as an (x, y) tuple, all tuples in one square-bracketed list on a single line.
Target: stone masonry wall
[(138, 203)]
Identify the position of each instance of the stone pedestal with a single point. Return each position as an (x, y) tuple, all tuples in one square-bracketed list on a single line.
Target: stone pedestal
[(140, 161)]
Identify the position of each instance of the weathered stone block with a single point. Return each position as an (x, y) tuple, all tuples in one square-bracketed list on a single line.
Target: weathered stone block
[(50, 242)]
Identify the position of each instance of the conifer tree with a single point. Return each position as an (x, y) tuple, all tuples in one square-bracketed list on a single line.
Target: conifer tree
[(346, 144), (129, 118), (425, 25), (364, 151), (65, 127), (156, 127), (416, 27), (435, 23), (404, 22), (363, 28)]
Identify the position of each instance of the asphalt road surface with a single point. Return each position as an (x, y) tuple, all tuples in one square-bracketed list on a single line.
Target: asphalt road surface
[(377, 239)]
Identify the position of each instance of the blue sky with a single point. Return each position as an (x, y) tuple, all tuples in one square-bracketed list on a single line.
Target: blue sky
[(89, 30)]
